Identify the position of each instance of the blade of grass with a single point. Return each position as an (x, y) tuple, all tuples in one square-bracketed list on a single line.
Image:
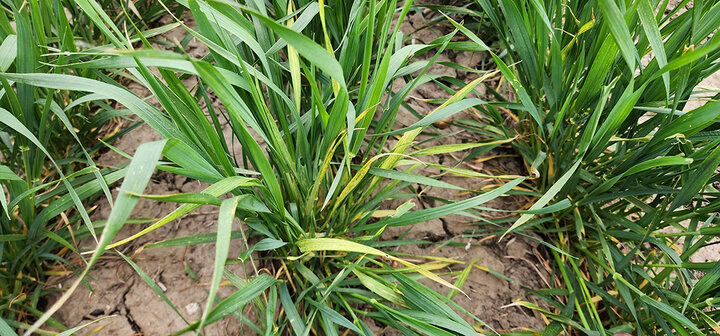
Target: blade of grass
[(222, 247)]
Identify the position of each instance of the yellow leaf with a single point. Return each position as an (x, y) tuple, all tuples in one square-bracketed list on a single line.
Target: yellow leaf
[(334, 244)]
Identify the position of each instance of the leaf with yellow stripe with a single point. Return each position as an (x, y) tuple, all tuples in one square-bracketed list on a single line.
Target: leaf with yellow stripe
[(335, 244)]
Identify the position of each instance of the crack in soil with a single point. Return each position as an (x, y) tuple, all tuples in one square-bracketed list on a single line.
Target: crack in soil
[(128, 316), (446, 228)]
